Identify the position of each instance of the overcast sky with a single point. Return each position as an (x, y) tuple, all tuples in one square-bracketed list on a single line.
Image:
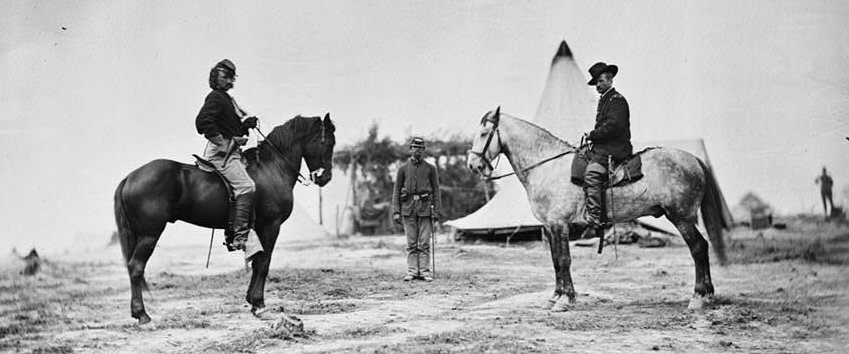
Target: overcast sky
[(92, 89)]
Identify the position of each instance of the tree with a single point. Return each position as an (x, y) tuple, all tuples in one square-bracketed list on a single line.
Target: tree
[(374, 161)]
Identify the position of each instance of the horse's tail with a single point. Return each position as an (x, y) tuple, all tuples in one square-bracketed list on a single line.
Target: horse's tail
[(126, 235), (712, 214)]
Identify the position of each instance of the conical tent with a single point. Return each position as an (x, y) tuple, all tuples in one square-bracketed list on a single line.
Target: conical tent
[(565, 101), (566, 108)]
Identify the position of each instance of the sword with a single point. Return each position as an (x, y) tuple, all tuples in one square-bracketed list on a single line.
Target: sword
[(612, 214), (211, 236), (230, 148), (432, 241)]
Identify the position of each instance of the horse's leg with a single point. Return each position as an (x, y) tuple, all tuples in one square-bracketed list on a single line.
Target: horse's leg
[(565, 263), (144, 248), (554, 240), (699, 250), (260, 263)]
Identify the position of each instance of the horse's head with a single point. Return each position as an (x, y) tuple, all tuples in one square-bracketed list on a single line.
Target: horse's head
[(318, 150), (486, 144)]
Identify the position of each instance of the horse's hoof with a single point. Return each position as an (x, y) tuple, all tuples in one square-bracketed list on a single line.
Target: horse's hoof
[(550, 302), (144, 319), (561, 306), (258, 311), (698, 302)]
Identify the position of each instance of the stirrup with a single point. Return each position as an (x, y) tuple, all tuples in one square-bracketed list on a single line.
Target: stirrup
[(237, 244)]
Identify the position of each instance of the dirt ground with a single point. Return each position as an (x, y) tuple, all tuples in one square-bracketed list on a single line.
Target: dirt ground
[(785, 291)]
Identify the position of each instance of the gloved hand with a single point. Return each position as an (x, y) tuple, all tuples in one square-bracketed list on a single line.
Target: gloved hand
[(250, 122), (396, 218), (240, 140)]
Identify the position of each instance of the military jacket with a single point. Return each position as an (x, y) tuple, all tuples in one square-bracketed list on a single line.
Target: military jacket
[(416, 189), (612, 132), (218, 116)]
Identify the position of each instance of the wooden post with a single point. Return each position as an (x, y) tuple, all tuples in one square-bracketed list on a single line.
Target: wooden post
[(320, 207), (337, 220)]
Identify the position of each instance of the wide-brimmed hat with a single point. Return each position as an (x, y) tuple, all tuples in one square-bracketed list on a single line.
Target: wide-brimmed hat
[(417, 142), (598, 68)]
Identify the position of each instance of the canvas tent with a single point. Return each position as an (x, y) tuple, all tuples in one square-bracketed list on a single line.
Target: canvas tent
[(752, 211), (566, 103), (300, 226)]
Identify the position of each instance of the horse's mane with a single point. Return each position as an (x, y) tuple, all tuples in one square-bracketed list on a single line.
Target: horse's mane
[(295, 129), (544, 131)]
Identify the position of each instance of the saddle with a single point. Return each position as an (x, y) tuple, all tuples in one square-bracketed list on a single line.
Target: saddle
[(206, 166), (625, 172)]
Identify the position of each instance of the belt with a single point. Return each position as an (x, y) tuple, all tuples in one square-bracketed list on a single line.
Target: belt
[(421, 196)]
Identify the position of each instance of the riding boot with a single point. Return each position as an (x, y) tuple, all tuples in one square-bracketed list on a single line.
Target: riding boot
[(241, 221), (594, 178)]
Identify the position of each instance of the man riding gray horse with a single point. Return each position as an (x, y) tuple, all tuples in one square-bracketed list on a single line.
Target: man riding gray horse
[(611, 140), (220, 121)]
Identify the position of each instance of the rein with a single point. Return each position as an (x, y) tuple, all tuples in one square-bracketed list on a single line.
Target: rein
[(486, 159), (532, 166), (301, 179)]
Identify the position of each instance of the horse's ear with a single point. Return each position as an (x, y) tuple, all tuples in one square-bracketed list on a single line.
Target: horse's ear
[(327, 118), (497, 114)]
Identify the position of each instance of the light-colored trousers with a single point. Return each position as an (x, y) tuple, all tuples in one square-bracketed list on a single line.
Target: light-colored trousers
[(418, 231), (234, 171)]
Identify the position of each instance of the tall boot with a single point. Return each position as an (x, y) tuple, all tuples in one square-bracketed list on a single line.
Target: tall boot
[(241, 221), (594, 178)]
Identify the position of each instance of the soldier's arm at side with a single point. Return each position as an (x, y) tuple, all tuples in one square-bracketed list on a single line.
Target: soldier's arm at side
[(396, 190)]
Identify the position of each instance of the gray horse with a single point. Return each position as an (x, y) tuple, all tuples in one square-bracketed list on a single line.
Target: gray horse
[(675, 184)]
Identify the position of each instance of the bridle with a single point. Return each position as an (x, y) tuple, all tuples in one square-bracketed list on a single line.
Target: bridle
[(484, 153), (313, 174), (320, 170)]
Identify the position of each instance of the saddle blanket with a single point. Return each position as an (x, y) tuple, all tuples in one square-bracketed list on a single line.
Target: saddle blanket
[(626, 172)]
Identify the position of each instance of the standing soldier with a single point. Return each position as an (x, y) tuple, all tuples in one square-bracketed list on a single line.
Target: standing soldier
[(825, 183), (415, 200)]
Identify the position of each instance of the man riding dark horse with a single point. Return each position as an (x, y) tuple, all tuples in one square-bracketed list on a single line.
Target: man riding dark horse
[(611, 140), (220, 121)]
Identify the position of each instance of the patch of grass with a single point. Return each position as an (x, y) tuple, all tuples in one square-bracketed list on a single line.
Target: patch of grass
[(365, 331), (729, 314), (465, 341), (827, 250), (190, 319), (53, 349), (254, 341), (647, 314), (319, 307)]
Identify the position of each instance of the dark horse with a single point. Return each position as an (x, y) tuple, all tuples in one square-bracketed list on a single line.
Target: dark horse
[(164, 191)]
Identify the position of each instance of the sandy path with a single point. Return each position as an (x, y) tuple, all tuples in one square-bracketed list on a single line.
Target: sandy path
[(486, 299)]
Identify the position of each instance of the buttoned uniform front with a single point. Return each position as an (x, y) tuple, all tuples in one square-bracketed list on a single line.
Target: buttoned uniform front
[(416, 190), (611, 136)]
